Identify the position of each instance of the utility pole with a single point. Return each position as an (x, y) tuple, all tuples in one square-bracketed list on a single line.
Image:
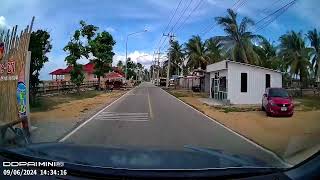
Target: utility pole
[(157, 61), (171, 36)]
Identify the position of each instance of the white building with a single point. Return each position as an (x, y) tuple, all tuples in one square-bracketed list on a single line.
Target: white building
[(238, 83)]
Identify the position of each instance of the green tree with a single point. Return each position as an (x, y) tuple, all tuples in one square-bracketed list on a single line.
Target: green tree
[(40, 45), (267, 53), (196, 53), (295, 54), (78, 48), (131, 70), (101, 48), (177, 56), (314, 38), (214, 50), (238, 41), (120, 64)]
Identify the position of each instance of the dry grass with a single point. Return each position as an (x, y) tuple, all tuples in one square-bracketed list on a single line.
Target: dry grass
[(71, 106)]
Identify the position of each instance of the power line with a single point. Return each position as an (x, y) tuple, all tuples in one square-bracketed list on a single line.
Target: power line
[(239, 5), (181, 15), (274, 3), (191, 12), (235, 6), (277, 13), (165, 29)]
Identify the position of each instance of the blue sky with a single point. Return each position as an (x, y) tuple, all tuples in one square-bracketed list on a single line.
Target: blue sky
[(121, 17)]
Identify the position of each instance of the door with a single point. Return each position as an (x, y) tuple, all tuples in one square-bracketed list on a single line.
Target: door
[(212, 87)]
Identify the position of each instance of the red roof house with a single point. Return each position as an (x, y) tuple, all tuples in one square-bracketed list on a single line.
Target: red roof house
[(64, 74)]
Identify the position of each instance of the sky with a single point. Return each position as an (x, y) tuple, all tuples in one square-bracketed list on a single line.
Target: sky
[(122, 17)]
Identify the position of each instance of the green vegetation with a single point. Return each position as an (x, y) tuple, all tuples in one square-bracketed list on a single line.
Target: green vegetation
[(40, 45), (48, 103), (308, 103), (297, 54), (187, 93)]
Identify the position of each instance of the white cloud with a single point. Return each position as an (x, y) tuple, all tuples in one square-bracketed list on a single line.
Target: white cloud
[(110, 29), (3, 23), (144, 58)]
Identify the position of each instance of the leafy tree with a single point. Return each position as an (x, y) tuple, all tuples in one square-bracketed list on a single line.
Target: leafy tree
[(40, 45), (214, 50), (238, 41), (267, 53), (295, 55), (314, 38), (78, 48), (131, 69), (120, 64), (196, 53), (177, 56), (101, 48)]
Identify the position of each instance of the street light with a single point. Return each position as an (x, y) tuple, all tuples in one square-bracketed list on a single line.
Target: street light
[(127, 48)]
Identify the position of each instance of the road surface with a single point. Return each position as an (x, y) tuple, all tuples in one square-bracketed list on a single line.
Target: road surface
[(147, 116)]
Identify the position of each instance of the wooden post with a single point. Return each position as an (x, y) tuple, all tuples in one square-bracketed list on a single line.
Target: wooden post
[(27, 82)]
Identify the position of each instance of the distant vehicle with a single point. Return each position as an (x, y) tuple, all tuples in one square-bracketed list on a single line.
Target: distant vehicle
[(163, 81), (171, 82), (277, 102)]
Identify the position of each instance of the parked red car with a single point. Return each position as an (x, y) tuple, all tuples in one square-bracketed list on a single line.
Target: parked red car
[(277, 102)]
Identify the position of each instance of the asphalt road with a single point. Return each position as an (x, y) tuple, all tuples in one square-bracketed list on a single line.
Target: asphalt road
[(147, 116)]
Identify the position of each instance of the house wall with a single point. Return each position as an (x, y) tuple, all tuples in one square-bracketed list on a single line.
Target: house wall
[(89, 77), (67, 77), (256, 83)]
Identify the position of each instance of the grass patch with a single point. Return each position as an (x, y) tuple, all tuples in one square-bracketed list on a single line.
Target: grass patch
[(309, 103), (188, 93), (48, 103), (227, 109)]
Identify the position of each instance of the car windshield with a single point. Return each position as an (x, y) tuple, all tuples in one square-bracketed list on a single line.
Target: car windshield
[(161, 84), (278, 93)]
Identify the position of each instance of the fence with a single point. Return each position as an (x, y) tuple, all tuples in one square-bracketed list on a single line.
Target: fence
[(51, 87)]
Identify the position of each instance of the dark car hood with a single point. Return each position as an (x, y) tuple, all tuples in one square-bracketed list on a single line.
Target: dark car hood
[(189, 157)]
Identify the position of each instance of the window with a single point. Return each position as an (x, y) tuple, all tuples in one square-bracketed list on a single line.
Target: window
[(244, 83), (223, 84), (267, 80)]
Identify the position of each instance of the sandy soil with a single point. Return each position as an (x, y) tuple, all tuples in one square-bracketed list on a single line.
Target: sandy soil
[(76, 108), (55, 123), (284, 136)]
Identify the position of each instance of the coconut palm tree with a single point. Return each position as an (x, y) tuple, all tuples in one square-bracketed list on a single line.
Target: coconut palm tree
[(177, 56), (314, 38), (267, 53), (196, 53), (214, 50), (295, 54), (238, 40)]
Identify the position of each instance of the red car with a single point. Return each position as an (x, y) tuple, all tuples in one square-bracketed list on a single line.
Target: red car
[(277, 102)]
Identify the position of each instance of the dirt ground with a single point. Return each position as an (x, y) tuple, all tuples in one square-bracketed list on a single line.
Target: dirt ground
[(54, 122), (289, 138)]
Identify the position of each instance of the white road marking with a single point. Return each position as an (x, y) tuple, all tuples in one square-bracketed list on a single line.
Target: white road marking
[(113, 116), (232, 131), (150, 108), (85, 122)]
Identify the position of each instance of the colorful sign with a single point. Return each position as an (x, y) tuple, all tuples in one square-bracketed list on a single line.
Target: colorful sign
[(1, 50), (22, 99)]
